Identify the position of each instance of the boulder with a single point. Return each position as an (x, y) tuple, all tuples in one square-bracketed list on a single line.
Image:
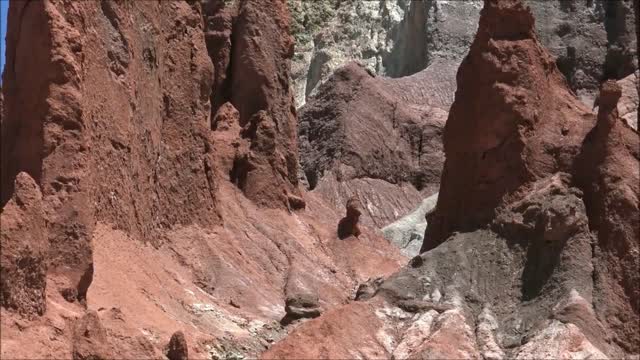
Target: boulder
[(348, 225), (300, 306), (177, 348)]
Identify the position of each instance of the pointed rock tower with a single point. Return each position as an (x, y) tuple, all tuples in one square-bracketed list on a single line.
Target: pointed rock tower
[(514, 120)]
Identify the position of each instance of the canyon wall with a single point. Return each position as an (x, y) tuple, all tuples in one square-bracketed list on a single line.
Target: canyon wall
[(519, 259), (591, 40), (150, 184), (153, 160)]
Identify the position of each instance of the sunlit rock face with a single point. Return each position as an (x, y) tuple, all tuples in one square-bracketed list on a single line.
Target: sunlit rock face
[(591, 40)]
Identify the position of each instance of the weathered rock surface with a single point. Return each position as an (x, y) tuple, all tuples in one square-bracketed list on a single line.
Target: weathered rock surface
[(514, 120), (591, 40), (608, 171), (163, 138), (392, 37), (501, 156), (250, 46), (301, 306), (629, 105), (520, 247), (152, 220), (478, 295), (407, 233), (90, 339), (177, 348), (368, 289), (24, 249), (373, 138), (43, 133)]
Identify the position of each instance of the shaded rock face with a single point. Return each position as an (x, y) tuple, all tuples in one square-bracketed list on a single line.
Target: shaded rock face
[(372, 138), (608, 172), (251, 53), (24, 249), (348, 225), (177, 349)]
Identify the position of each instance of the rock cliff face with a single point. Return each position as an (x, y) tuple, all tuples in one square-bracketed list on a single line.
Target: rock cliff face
[(162, 139), (362, 136), (518, 256), (591, 40), (151, 198), (513, 120), (608, 172), (390, 37), (581, 37), (539, 130), (265, 157), (24, 249)]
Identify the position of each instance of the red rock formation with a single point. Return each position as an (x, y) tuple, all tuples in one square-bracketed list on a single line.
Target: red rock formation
[(111, 116), (44, 132), (90, 339), (130, 150), (608, 171), (24, 249), (251, 47), (513, 120), (218, 25), (524, 193)]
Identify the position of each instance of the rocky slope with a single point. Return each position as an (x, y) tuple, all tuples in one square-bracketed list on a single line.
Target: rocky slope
[(362, 136), (590, 39), (596, 34), (150, 185), (519, 260), (153, 160)]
